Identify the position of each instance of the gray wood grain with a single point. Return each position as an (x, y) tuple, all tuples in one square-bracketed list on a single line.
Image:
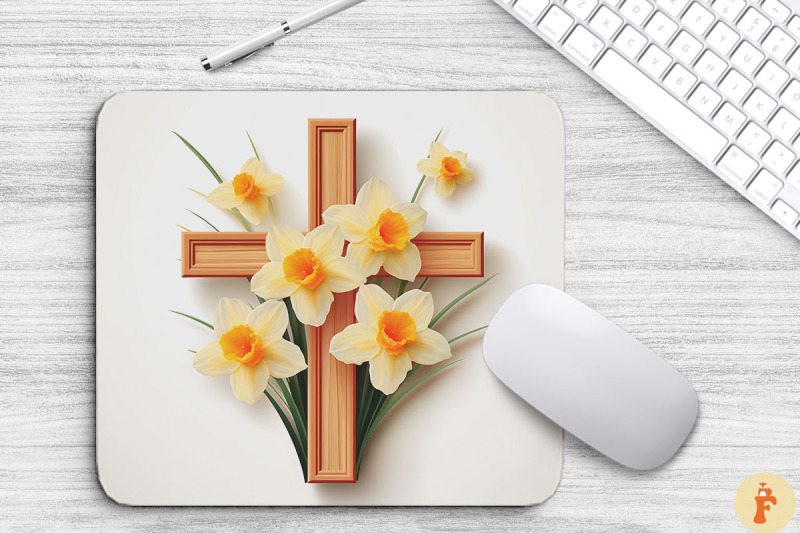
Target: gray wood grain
[(654, 241)]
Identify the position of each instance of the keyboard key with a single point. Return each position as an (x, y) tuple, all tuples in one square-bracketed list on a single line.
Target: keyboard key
[(673, 7), (661, 28), (776, 10), (530, 9), (747, 57), (778, 43), (729, 119), (753, 138), (772, 77), (679, 80), (735, 86), (728, 9), (793, 178), (710, 66), (793, 63), (753, 24), (655, 61), (667, 112), (784, 212), (791, 96), (759, 105), (630, 42), (778, 158), (737, 165), (605, 22), (765, 187), (704, 100), (722, 38), (794, 26), (784, 125), (555, 23), (583, 46), (697, 18), (581, 8), (636, 10), (685, 47)]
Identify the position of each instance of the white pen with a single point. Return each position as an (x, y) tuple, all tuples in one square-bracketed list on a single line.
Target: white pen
[(254, 43)]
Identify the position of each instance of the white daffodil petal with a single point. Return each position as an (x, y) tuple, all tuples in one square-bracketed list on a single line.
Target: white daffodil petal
[(419, 305), (255, 210), (269, 320), (284, 359), (429, 167), (350, 218), (230, 312), (461, 157), (445, 188), (210, 362), (365, 257), (312, 306), (327, 242), (374, 197), (414, 216), (355, 344), (224, 197), (269, 282), (429, 348), (269, 184), (438, 152), (403, 264), (371, 301), (465, 176), (253, 167), (248, 382), (342, 275), (387, 372), (281, 241)]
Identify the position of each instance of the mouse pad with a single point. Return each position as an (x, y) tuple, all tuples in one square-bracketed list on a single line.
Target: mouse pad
[(323, 367)]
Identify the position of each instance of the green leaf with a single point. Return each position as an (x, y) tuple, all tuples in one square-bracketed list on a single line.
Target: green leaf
[(206, 324), (204, 220), (200, 157), (402, 289), (301, 455), (454, 339), (253, 145), (458, 299), (299, 421), (184, 229), (198, 192)]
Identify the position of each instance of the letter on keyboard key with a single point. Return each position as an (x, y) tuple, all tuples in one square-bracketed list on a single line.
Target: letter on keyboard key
[(737, 166), (580, 8), (679, 80), (605, 22), (784, 125), (765, 187), (555, 23), (673, 7), (664, 110), (791, 96), (734, 86), (759, 105), (697, 18), (684, 47), (655, 61), (729, 119), (661, 28), (530, 9), (704, 99), (772, 77), (630, 42), (784, 212), (636, 10), (583, 46)]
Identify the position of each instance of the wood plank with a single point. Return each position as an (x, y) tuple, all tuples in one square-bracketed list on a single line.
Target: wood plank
[(331, 383), (238, 255)]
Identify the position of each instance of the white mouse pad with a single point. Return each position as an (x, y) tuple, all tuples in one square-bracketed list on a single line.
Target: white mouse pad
[(169, 435)]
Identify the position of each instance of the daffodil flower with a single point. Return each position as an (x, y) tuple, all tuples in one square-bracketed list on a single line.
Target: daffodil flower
[(390, 334), (308, 269), (448, 168), (380, 231), (249, 192), (250, 347)]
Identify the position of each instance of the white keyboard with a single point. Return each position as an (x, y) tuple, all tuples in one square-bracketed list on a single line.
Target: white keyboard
[(718, 77)]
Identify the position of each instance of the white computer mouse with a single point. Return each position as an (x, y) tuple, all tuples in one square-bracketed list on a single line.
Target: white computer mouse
[(590, 377)]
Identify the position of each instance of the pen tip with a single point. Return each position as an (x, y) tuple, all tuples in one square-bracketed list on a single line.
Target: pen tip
[(205, 63)]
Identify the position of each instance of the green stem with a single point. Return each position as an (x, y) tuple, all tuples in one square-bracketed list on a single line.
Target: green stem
[(298, 447), (396, 288), (298, 420), (458, 338), (458, 299), (235, 212), (424, 282), (206, 324), (253, 145)]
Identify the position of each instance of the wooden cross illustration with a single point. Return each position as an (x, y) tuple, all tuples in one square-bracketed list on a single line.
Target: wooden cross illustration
[(331, 384)]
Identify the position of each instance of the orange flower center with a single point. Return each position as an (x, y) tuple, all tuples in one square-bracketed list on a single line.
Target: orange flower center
[(241, 344), (396, 329), (303, 267), (389, 233), (450, 168), (244, 185)]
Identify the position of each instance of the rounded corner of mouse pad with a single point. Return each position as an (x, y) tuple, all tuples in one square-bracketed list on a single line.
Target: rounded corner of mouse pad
[(155, 449)]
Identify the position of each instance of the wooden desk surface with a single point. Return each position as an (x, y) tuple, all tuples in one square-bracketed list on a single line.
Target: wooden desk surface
[(654, 242)]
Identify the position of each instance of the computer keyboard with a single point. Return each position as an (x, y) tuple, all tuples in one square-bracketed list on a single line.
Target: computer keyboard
[(718, 77)]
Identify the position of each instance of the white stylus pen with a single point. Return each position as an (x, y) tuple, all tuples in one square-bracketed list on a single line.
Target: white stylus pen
[(254, 43)]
